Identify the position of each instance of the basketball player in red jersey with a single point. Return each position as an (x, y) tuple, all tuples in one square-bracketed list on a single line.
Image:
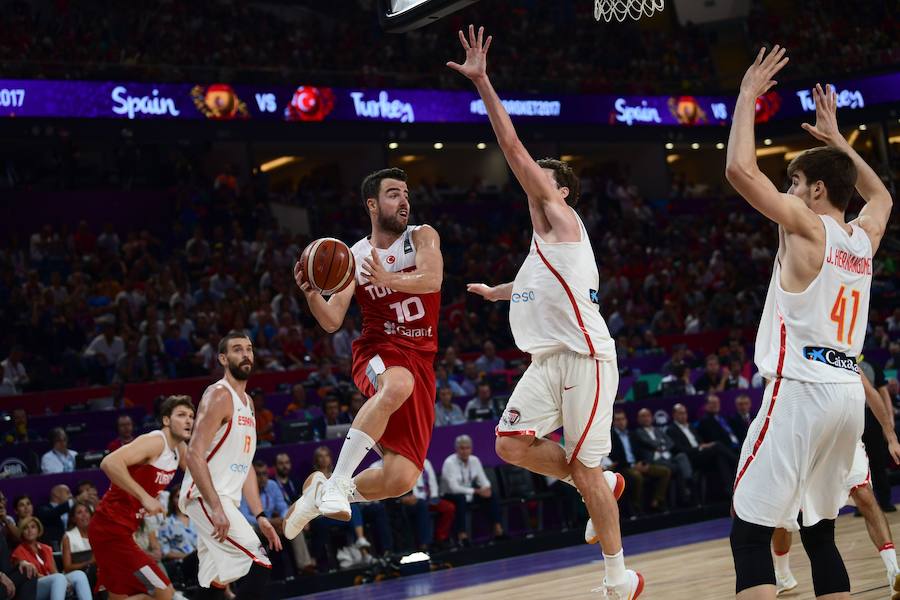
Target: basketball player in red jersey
[(573, 377), (138, 471), (799, 449), (219, 461), (397, 286)]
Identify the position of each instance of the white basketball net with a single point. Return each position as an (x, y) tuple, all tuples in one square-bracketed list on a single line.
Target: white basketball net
[(620, 10)]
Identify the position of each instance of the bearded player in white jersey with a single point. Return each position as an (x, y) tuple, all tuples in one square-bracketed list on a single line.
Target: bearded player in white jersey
[(798, 451), (573, 378), (220, 471)]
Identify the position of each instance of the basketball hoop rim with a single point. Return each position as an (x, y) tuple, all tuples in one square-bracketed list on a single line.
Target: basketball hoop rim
[(621, 10)]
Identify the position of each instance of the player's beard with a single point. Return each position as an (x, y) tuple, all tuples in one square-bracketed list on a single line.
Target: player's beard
[(238, 372), (392, 223)]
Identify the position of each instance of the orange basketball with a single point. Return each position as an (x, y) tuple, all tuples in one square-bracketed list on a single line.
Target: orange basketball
[(328, 265)]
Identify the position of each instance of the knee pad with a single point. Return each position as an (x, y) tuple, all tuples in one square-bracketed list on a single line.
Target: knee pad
[(253, 584), (751, 549), (828, 571)]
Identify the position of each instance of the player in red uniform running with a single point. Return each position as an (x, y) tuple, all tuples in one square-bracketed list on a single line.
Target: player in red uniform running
[(397, 285), (138, 471)]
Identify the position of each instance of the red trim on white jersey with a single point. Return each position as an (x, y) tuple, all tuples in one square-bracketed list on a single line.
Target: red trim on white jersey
[(593, 412), (765, 427), (213, 453), (562, 282)]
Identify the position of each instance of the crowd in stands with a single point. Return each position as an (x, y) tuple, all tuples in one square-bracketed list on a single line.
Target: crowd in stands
[(830, 36), (330, 44)]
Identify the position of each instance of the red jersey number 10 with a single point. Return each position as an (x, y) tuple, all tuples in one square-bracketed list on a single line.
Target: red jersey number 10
[(410, 309)]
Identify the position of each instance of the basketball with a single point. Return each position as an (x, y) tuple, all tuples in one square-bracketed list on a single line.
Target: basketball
[(328, 265)]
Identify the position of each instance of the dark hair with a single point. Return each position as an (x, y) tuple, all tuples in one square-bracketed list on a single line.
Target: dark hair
[(260, 464), (565, 177), (832, 167), (83, 483), (19, 498), (234, 334), (371, 185), (173, 402), (70, 524)]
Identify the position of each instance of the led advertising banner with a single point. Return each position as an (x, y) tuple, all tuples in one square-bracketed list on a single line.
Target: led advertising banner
[(121, 100)]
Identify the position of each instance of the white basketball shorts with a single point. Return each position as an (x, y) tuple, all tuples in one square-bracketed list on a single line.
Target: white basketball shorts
[(798, 453), (230, 560), (568, 390)]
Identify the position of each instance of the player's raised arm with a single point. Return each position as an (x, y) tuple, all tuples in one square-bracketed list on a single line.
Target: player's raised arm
[(875, 214), (741, 168), (548, 210), (214, 410), (329, 313), (142, 450), (429, 272)]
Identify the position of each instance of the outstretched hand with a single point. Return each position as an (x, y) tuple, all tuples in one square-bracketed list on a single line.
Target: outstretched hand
[(485, 291), (476, 48), (826, 127), (758, 78)]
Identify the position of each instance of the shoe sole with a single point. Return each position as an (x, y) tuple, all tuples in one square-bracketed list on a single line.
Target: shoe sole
[(618, 490), (337, 516), (896, 590)]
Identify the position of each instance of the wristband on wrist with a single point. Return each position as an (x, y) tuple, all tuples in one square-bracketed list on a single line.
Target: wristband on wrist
[(261, 514)]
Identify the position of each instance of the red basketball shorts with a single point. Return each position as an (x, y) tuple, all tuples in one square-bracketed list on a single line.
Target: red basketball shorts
[(408, 430), (122, 567)]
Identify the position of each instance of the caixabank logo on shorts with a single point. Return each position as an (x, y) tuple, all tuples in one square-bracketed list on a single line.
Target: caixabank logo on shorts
[(831, 357)]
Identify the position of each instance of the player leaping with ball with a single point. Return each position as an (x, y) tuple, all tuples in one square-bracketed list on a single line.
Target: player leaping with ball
[(399, 270), (573, 378)]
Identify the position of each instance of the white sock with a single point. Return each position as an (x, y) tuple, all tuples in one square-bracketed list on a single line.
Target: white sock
[(354, 450), (889, 556), (782, 563), (615, 568)]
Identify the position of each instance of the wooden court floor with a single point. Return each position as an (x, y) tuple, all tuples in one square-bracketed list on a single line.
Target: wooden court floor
[(702, 571)]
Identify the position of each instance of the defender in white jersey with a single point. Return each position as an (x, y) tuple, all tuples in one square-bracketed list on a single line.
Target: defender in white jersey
[(555, 317), (219, 462), (799, 449)]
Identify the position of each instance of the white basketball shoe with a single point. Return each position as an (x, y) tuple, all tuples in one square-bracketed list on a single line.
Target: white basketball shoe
[(784, 583), (306, 508), (893, 576), (630, 590), (336, 498)]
